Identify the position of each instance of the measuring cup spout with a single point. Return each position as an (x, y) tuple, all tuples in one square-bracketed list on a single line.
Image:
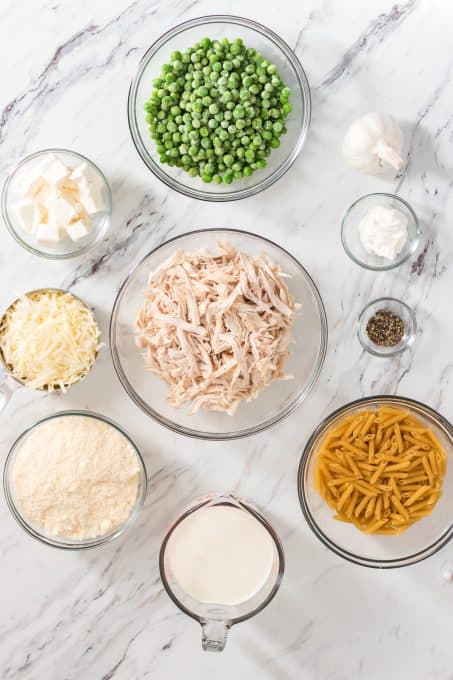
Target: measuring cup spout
[(214, 635)]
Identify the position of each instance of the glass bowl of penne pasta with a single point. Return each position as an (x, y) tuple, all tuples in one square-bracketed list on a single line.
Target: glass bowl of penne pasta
[(376, 484)]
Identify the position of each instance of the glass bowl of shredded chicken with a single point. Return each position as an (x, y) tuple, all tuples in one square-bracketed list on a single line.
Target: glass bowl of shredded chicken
[(218, 334)]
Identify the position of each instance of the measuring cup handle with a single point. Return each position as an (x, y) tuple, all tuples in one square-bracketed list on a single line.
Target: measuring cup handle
[(214, 635), (6, 389)]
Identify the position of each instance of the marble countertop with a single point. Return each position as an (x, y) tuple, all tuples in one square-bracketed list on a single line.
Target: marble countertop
[(103, 614)]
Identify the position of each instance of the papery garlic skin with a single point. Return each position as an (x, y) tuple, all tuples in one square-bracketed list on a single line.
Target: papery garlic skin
[(372, 142)]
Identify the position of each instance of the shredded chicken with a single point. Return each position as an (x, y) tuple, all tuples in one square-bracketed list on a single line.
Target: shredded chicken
[(216, 327)]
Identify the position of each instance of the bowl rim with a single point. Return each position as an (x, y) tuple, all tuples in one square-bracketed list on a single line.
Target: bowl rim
[(36, 251), (410, 339), (373, 563), (219, 436), (57, 542), (399, 260), (156, 168)]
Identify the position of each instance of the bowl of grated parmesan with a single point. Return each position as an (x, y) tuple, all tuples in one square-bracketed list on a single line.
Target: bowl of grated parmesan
[(74, 480)]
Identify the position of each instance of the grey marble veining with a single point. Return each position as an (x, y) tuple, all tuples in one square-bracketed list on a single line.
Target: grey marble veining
[(103, 614)]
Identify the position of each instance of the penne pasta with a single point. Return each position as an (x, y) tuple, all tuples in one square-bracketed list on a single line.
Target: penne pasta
[(380, 470)]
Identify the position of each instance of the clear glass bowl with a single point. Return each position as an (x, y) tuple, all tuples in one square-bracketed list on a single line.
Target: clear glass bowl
[(66, 543), (397, 307), (270, 46), (350, 236), (277, 400), (65, 248), (8, 382), (422, 539)]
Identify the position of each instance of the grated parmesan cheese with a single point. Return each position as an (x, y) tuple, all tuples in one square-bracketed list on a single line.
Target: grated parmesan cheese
[(49, 339), (76, 477)]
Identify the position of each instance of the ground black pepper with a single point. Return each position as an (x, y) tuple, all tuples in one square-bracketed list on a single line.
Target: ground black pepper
[(385, 328)]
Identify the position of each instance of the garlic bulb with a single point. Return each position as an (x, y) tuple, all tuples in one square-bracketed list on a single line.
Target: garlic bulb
[(373, 141)]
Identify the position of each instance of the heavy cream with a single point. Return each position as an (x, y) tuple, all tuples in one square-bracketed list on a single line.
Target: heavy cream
[(221, 555)]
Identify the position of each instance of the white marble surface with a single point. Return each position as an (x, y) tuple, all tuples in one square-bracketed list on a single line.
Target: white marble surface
[(103, 614)]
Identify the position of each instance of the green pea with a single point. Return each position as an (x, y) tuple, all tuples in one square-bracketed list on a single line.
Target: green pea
[(218, 108)]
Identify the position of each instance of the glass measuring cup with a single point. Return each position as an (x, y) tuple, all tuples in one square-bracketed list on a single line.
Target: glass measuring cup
[(217, 619)]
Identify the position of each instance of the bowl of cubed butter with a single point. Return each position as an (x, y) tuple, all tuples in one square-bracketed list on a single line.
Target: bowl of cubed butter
[(56, 203)]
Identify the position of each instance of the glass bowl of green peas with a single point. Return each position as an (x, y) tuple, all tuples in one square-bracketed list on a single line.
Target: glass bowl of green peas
[(219, 108)]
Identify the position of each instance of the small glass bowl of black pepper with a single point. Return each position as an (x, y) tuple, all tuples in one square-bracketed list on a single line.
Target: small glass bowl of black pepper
[(387, 327)]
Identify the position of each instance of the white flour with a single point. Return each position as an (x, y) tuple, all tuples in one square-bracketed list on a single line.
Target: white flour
[(76, 477)]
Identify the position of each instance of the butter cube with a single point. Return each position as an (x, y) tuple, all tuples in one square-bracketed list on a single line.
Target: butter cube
[(28, 182), (26, 213), (78, 230), (91, 197), (47, 232), (69, 189), (60, 209), (53, 170), (84, 172)]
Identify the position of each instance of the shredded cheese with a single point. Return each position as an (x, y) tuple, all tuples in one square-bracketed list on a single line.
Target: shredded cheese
[(48, 339)]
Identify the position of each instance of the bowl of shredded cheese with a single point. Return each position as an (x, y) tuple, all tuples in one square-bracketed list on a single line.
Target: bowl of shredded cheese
[(74, 480), (49, 340), (375, 481)]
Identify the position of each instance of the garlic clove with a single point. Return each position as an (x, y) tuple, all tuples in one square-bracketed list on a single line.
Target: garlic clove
[(372, 142)]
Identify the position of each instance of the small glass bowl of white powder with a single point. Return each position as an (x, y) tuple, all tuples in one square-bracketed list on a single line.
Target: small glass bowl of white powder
[(74, 480), (380, 231)]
